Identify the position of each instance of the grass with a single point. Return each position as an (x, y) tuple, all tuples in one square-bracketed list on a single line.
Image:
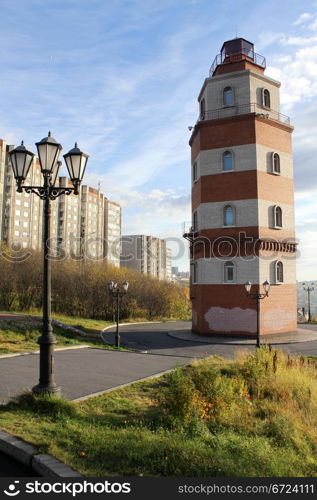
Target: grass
[(256, 416), (84, 324), (21, 334)]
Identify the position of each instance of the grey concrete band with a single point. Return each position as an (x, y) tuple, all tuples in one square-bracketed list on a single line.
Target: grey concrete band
[(25, 453)]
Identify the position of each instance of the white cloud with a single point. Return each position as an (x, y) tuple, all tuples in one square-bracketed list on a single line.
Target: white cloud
[(298, 40), (297, 71), (302, 19), (313, 25)]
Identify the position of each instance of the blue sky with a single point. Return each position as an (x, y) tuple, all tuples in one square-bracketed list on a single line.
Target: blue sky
[(122, 77)]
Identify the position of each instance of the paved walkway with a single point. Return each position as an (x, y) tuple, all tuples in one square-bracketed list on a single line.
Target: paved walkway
[(81, 372), (85, 371), (301, 335)]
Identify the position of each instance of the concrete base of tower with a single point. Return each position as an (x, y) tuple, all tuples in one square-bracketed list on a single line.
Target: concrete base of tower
[(226, 309)]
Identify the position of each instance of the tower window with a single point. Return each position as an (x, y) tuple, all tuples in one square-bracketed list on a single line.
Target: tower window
[(195, 174), (194, 273), (228, 216), (278, 219), (279, 274), (276, 166), (229, 272), (227, 161), (228, 96), (195, 221), (202, 109), (266, 99)]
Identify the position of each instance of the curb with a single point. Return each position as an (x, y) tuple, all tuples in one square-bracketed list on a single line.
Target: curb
[(189, 336), (100, 393), (25, 453), (28, 353), (56, 322), (104, 330), (128, 324)]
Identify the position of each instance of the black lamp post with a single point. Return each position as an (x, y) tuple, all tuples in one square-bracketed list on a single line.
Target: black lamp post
[(257, 296), (116, 295), (21, 160), (309, 288)]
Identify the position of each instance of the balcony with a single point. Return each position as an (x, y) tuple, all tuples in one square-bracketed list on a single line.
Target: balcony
[(242, 54), (244, 109)]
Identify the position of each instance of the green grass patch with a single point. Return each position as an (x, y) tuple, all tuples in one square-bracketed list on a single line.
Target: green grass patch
[(83, 324), (21, 334), (256, 416)]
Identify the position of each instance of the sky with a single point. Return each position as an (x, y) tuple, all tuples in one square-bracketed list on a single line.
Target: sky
[(121, 77)]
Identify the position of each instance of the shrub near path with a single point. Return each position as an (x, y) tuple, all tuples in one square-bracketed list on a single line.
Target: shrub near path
[(256, 416), (80, 289)]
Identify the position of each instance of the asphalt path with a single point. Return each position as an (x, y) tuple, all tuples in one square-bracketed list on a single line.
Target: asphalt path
[(81, 372), (154, 339)]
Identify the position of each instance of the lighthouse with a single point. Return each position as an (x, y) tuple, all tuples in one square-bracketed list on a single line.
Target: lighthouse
[(242, 200)]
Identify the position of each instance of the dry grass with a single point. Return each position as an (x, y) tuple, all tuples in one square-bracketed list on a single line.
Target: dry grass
[(256, 416)]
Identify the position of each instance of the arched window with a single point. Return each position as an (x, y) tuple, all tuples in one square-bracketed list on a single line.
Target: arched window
[(228, 216), (276, 166), (279, 275), (227, 161), (278, 219), (202, 109), (228, 96), (266, 99), (195, 172), (194, 275), (229, 272), (195, 221)]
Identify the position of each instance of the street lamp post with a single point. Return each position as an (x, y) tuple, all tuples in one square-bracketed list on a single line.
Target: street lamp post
[(116, 293), (257, 296), (309, 288), (21, 159)]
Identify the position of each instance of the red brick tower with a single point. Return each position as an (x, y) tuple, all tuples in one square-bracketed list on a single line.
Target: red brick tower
[(242, 200)]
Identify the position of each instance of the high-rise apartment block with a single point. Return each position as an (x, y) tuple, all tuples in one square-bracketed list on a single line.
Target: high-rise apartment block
[(112, 229), (242, 200), (92, 222), (68, 221), (21, 221), (169, 264), (147, 255), (82, 226)]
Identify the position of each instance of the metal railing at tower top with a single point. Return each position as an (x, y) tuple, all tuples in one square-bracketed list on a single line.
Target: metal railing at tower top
[(244, 109), (243, 54)]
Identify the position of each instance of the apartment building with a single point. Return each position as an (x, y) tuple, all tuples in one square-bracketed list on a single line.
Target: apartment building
[(169, 264), (145, 254), (112, 232), (80, 225), (21, 221), (92, 222), (68, 222), (2, 170)]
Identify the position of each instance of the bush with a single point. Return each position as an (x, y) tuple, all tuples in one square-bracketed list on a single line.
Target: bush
[(80, 289), (266, 393)]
